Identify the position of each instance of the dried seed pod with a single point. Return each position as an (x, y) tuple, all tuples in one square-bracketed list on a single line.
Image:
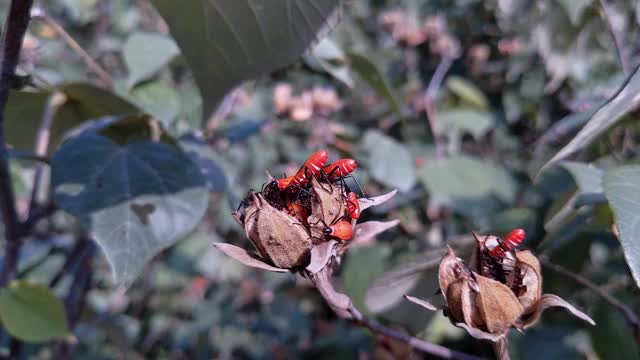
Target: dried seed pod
[(278, 237), (498, 305)]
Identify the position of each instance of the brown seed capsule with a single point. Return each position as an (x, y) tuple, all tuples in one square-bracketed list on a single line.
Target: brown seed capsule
[(278, 237), (329, 202)]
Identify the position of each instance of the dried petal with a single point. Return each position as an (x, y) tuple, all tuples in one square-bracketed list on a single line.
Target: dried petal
[(528, 268), (366, 231), (461, 303), (366, 203), (329, 203), (320, 256), (425, 304), (244, 257), (479, 334), (449, 271), (547, 301), (498, 305)]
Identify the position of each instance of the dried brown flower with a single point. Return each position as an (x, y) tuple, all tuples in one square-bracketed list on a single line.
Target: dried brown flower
[(496, 295)]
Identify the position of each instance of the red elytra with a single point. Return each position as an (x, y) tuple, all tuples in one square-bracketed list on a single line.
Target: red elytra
[(341, 230), (312, 167), (340, 168), (510, 242), (353, 206)]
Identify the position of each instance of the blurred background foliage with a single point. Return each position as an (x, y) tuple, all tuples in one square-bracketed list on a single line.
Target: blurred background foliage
[(520, 79)]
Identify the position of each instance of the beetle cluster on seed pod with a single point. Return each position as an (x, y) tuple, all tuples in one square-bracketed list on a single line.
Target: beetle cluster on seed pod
[(293, 213), (500, 289)]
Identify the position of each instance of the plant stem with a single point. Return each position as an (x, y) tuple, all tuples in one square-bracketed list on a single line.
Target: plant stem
[(104, 76), (427, 347), (617, 38), (13, 32), (632, 318), (501, 349), (429, 102)]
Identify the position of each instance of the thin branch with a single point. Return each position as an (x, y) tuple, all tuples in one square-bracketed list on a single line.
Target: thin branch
[(501, 349), (632, 318), (56, 100), (427, 347), (617, 37), (105, 78), (13, 32), (430, 97)]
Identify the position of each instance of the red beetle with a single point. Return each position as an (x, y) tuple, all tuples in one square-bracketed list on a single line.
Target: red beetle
[(510, 242)]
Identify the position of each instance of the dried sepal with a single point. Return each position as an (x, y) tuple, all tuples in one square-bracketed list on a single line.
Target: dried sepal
[(366, 231), (497, 304), (479, 334), (246, 258), (321, 255), (425, 304), (366, 203), (547, 301), (529, 290)]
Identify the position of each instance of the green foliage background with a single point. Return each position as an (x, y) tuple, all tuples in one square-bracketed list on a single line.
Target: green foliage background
[(528, 76)]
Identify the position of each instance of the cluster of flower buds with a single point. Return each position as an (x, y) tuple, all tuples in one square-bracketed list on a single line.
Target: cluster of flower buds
[(432, 30), (317, 101), (293, 215), (500, 290)]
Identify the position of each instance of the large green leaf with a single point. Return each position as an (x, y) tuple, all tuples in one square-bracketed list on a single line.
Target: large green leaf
[(229, 41), (84, 101), (623, 102), (147, 53), (587, 177), (135, 196), (389, 161), (622, 188), (31, 312), (467, 184), (370, 73)]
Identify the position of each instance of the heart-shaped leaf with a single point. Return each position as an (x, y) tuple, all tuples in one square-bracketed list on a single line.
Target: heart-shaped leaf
[(134, 197), (147, 53)]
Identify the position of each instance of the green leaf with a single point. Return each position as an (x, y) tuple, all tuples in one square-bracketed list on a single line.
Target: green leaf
[(612, 338), (147, 53), (31, 312), (361, 268), (389, 161), (84, 101), (158, 99), (575, 9), (227, 42), (587, 177), (474, 122), (370, 73), (135, 196), (468, 184), (467, 91), (328, 57), (621, 188), (623, 102)]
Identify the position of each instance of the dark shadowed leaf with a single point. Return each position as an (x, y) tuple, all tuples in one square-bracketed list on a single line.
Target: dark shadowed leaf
[(389, 161), (227, 42), (202, 154), (623, 102), (621, 186), (135, 196), (84, 101), (370, 73), (147, 53), (31, 312), (244, 257), (612, 338)]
